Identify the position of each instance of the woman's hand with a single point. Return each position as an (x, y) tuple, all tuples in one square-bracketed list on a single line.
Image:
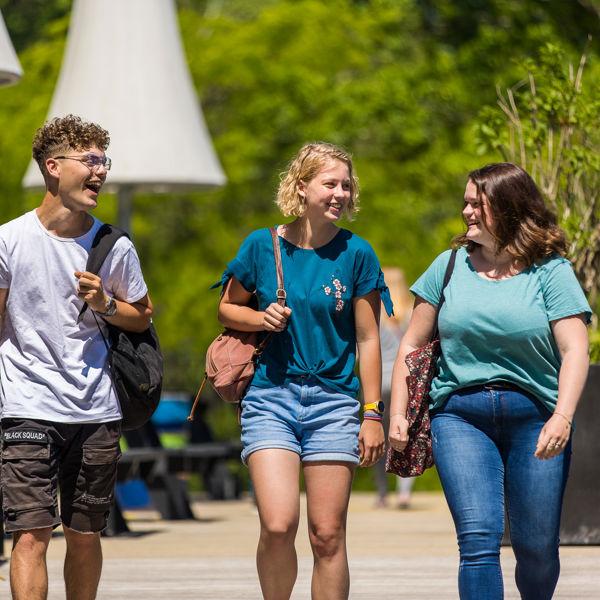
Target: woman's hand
[(553, 438), (371, 442), (398, 436), (235, 313), (276, 316)]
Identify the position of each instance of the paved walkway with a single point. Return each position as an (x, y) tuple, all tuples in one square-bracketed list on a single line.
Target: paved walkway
[(394, 554)]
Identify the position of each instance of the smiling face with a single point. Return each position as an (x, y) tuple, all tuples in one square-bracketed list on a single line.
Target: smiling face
[(79, 184), (478, 217), (327, 194)]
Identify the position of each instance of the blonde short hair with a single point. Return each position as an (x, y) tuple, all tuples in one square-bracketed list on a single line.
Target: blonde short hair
[(309, 161)]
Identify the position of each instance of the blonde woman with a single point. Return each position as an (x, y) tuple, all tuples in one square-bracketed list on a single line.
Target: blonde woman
[(302, 408)]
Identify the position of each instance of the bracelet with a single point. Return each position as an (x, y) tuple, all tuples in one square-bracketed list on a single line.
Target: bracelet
[(372, 414), (564, 417), (370, 418)]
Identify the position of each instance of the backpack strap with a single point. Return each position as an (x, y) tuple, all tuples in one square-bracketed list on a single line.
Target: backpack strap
[(104, 240), (447, 276)]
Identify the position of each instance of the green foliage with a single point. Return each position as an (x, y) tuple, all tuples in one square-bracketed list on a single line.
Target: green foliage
[(364, 480), (23, 109), (548, 123), (428, 482), (30, 21), (595, 346)]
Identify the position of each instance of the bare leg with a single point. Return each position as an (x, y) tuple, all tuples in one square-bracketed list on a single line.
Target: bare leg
[(28, 573), (275, 476), (83, 564), (328, 492)]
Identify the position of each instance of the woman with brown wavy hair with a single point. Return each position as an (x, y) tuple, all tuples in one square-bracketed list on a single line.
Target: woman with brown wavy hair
[(513, 366)]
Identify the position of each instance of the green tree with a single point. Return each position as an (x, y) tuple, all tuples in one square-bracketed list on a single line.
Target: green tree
[(27, 20), (548, 123)]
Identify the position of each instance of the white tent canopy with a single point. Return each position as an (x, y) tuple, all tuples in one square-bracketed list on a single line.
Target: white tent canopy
[(10, 69), (125, 69)]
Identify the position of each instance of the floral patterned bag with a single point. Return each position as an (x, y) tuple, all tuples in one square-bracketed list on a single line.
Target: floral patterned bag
[(422, 367)]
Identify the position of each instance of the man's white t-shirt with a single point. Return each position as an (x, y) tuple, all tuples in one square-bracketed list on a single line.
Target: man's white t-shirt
[(51, 367)]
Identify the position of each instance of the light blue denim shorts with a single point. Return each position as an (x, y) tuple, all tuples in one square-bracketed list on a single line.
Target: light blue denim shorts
[(303, 416)]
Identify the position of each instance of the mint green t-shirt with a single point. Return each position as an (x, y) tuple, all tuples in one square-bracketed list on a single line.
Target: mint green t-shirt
[(500, 330)]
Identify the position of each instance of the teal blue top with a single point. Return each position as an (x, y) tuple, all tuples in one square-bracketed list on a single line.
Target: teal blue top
[(320, 338), (500, 330)]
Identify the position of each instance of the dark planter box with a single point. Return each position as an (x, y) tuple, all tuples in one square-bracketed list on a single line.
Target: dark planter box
[(580, 523)]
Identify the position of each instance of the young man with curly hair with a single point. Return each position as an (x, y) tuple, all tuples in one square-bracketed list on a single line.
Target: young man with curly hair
[(60, 425)]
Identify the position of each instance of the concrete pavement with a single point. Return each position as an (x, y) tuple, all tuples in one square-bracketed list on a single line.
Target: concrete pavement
[(408, 554)]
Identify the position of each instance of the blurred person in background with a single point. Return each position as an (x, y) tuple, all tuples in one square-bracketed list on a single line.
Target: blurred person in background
[(391, 330)]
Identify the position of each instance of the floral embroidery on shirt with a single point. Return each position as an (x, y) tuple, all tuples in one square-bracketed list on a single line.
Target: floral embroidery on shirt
[(336, 292)]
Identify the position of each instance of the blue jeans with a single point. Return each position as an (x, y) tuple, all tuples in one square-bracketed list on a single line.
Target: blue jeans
[(484, 443)]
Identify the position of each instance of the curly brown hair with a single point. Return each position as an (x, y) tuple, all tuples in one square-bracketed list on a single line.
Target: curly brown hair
[(311, 158), (61, 134), (524, 226)]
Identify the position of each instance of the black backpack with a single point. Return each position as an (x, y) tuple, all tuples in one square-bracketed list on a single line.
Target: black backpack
[(135, 359)]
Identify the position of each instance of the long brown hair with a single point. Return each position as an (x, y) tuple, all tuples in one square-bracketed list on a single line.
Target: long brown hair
[(524, 226)]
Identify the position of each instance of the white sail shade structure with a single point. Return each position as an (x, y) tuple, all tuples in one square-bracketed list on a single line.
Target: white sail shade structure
[(124, 68), (10, 68)]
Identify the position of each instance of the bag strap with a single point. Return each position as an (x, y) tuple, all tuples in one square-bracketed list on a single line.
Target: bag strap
[(280, 293), (104, 240), (447, 276)]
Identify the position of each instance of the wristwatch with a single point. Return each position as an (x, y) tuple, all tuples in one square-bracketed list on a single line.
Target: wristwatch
[(111, 308), (378, 407)]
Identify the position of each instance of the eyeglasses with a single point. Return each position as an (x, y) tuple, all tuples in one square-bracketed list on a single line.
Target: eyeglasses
[(91, 160)]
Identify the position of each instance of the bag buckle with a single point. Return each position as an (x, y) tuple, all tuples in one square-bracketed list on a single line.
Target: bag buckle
[(281, 294)]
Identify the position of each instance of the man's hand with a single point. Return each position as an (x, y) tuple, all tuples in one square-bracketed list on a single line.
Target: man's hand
[(90, 290)]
